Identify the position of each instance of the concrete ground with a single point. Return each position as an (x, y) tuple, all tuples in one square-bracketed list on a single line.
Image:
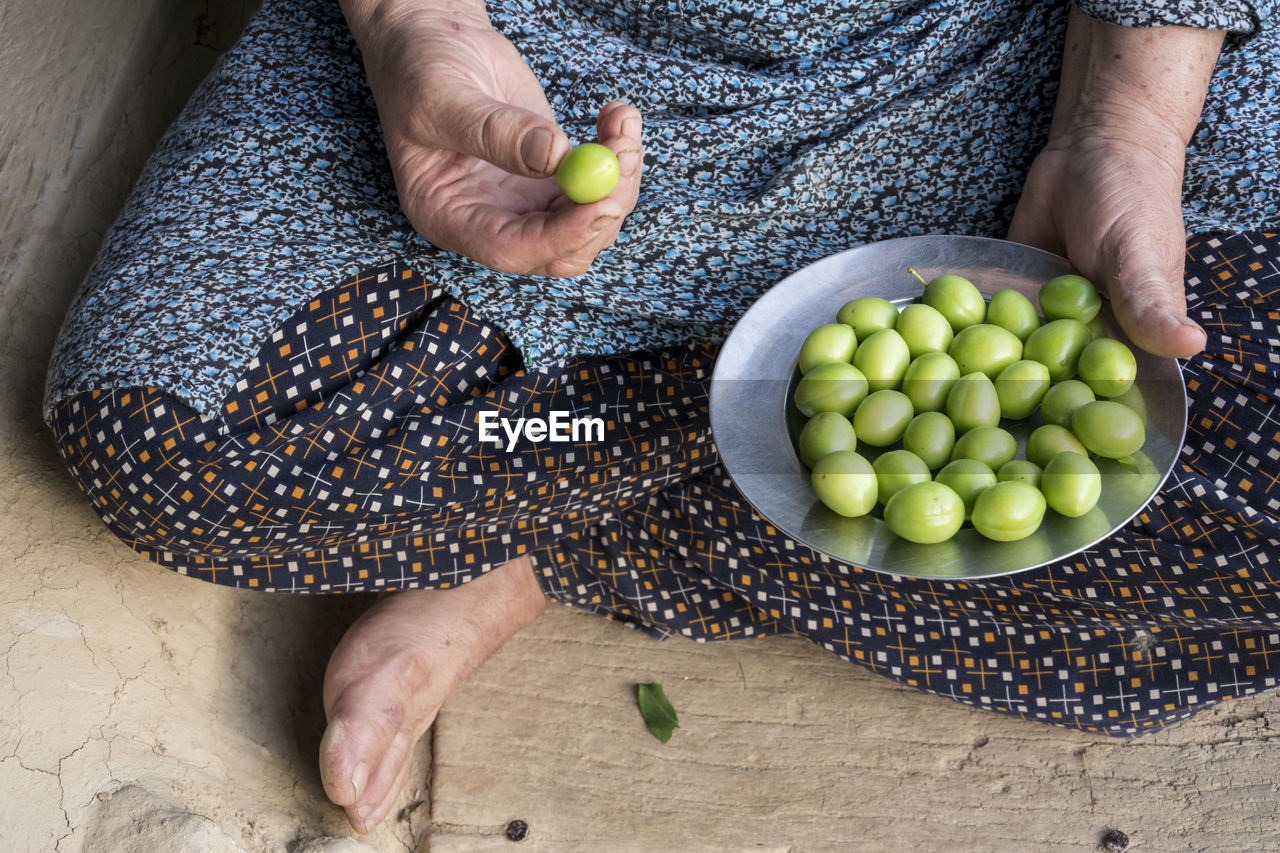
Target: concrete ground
[(142, 711)]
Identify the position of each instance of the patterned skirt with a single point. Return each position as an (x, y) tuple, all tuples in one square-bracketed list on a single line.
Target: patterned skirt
[(352, 455)]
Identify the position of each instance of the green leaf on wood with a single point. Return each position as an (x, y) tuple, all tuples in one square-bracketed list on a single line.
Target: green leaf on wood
[(656, 710)]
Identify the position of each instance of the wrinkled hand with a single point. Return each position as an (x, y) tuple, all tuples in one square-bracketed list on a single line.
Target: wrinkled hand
[(1113, 207), (474, 144), (1106, 191)]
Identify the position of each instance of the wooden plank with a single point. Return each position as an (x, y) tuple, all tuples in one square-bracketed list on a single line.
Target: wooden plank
[(782, 746)]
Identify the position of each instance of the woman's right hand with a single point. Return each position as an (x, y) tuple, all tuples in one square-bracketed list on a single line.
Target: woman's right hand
[(474, 144)]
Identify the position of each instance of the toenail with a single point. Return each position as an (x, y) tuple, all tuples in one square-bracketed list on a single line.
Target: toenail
[(359, 776)]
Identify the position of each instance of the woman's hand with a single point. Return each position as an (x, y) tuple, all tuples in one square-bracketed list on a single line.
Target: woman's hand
[(473, 142), (1106, 192)]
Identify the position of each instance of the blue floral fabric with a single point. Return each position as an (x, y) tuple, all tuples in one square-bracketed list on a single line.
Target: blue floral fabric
[(776, 133)]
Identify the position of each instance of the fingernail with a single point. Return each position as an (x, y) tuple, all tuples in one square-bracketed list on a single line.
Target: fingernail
[(601, 223), (631, 127), (363, 812), (359, 776), (1187, 321), (535, 150)]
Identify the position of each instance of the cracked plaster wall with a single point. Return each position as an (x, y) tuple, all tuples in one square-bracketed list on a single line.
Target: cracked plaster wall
[(138, 710)]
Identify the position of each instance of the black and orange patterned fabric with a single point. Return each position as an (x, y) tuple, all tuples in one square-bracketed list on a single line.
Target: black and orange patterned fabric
[(349, 456)]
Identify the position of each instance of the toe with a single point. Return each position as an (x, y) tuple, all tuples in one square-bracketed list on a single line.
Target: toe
[(353, 747), (385, 784)]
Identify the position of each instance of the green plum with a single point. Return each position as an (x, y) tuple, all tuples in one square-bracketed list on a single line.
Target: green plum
[(868, 315), (588, 173), (968, 478), (957, 299), (1048, 441), (924, 329), (1063, 399), (1020, 469), (1108, 367), (1057, 345), (1069, 296), (1008, 511), (845, 482), (973, 402), (1021, 386), (928, 381), (896, 470), (1109, 429), (827, 343), (930, 435), (1011, 310), (825, 432), (883, 358), (832, 387), (1071, 484), (990, 445), (925, 513), (882, 418), (984, 348)]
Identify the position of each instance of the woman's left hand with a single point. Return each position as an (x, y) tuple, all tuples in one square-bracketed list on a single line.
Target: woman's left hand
[(1114, 208), (1106, 191)]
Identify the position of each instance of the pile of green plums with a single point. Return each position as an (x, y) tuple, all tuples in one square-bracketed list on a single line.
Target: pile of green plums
[(929, 388)]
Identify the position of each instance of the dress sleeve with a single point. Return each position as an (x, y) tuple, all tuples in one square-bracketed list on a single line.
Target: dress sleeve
[(1240, 18)]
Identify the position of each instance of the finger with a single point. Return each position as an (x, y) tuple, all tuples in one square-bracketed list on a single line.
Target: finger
[(1033, 222), (512, 138), (1149, 299), (527, 243), (619, 128)]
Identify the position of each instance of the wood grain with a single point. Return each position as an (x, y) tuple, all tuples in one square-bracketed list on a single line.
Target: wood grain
[(785, 747)]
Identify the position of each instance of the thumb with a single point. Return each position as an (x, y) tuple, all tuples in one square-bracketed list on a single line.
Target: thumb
[(1149, 301), (512, 138)]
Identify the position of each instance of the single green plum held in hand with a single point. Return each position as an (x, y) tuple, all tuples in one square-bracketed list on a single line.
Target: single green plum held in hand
[(588, 173)]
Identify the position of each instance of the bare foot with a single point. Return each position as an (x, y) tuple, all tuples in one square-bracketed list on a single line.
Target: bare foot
[(393, 669)]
